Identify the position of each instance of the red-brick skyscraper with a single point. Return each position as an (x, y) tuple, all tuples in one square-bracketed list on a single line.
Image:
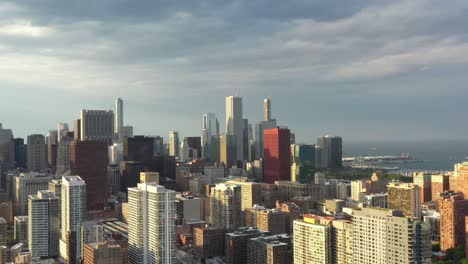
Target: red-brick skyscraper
[(88, 159), (277, 155)]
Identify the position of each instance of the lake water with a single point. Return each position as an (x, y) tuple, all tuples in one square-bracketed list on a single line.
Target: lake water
[(437, 155)]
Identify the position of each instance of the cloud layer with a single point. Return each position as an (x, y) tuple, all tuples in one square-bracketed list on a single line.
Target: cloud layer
[(352, 53)]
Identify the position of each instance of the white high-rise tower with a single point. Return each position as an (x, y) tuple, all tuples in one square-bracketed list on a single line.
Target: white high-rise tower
[(234, 123), (118, 121), (151, 224), (43, 224), (73, 208)]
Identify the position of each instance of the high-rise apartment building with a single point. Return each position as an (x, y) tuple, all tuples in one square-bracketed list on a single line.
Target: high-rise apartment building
[(273, 220), (277, 155), (225, 206), (406, 198), (342, 241), (453, 210), (37, 153), (25, 184), (102, 253), (89, 159), (43, 224), (439, 184), (312, 242), (89, 231), (234, 123), (329, 152), (119, 119), (151, 224), (210, 127), (97, 125), (357, 187), (461, 172), (228, 150), (423, 180), (387, 236), (73, 211), (174, 143)]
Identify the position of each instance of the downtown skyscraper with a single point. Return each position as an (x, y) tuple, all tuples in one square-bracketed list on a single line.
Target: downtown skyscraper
[(118, 120), (174, 144), (97, 125), (234, 123), (210, 129)]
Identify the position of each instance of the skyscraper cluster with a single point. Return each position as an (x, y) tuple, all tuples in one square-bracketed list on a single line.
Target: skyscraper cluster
[(241, 193)]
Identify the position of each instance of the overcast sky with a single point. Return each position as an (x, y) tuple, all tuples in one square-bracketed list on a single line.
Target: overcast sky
[(365, 70)]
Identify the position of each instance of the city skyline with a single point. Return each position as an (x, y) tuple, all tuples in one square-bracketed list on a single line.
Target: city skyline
[(328, 68)]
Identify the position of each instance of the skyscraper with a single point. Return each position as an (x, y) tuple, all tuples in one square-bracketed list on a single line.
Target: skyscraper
[(266, 109), (21, 154), (43, 224), (329, 152), (210, 128), (406, 198), (453, 210), (461, 170), (387, 236), (88, 159), (26, 184), (423, 180), (97, 125), (174, 143), (118, 124), (234, 123), (227, 149), (225, 206), (62, 131), (63, 155), (277, 155), (7, 149), (37, 153), (51, 141), (138, 148), (267, 123), (312, 242), (151, 224), (73, 211)]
